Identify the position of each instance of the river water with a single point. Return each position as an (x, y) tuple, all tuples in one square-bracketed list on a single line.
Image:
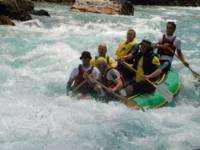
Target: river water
[(37, 57)]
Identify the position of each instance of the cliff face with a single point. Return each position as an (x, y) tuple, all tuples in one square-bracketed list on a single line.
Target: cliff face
[(96, 6), (55, 1), (103, 6)]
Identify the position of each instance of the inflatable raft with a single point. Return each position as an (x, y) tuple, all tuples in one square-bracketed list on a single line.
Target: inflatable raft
[(171, 82)]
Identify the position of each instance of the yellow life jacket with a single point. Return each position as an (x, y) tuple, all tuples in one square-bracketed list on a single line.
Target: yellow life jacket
[(125, 48)]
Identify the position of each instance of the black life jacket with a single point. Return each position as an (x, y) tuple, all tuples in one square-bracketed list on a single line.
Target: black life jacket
[(163, 51), (147, 67)]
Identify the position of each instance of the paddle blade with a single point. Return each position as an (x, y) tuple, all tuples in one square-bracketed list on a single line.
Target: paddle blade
[(168, 96), (195, 74)]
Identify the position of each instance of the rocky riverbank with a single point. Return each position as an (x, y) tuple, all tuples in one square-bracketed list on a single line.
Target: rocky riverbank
[(103, 6), (21, 9), (17, 10), (124, 7)]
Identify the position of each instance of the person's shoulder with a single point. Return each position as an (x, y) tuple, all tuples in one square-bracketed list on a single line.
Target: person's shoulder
[(177, 39), (113, 73), (77, 68), (111, 58), (135, 42), (92, 61), (74, 72), (160, 38)]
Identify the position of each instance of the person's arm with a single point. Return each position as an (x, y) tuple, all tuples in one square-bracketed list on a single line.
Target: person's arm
[(179, 52), (162, 46), (181, 57), (118, 85), (118, 50), (131, 55), (114, 75), (72, 77), (159, 44), (95, 75), (125, 58), (157, 72)]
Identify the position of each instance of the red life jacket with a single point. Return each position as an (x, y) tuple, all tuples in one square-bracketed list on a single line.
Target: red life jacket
[(109, 83), (79, 78), (162, 51)]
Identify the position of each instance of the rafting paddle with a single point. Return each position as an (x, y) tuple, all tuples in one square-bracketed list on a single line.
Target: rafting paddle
[(73, 91), (168, 96), (126, 101), (194, 73), (80, 85)]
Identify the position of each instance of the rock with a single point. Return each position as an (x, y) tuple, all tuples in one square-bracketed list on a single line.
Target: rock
[(56, 1), (40, 12), (97, 6), (5, 20), (127, 8), (16, 9), (111, 7)]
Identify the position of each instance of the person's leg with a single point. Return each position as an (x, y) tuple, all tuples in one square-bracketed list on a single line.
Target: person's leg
[(143, 87)]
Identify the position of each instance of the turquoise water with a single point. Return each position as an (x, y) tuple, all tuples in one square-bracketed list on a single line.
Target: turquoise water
[(37, 57)]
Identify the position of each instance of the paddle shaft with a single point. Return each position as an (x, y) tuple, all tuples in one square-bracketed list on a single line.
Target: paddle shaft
[(195, 74), (80, 85), (126, 101)]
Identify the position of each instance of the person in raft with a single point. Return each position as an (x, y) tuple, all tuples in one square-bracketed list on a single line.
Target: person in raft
[(125, 48), (147, 66), (167, 45), (102, 50), (109, 77), (79, 75)]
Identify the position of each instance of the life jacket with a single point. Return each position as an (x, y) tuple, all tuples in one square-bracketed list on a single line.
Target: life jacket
[(162, 51), (79, 78), (147, 66), (109, 83), (125, 48)]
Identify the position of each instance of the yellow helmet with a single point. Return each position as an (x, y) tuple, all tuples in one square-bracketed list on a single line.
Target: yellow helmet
[(101, 60)]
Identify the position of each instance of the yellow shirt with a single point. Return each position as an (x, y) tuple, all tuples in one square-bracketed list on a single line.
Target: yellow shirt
[(111, 62), (140, 71), (125, 48)]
